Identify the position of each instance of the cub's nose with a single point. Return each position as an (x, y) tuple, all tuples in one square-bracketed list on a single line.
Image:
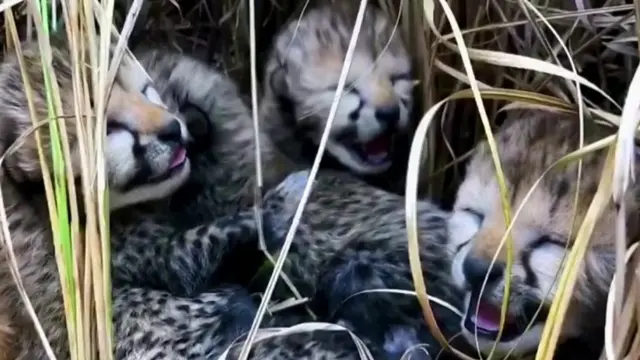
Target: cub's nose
[(476, 269), (390, 115), (172, 132)]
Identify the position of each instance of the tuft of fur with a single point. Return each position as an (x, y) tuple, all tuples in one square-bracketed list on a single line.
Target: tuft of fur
[(143, 141), (529, 143), (301, 77)]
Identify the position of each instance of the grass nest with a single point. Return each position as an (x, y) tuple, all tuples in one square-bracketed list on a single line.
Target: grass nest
[(465, 53)]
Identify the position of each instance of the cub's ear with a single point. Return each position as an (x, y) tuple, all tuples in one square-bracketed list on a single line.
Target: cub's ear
[(199, 125)]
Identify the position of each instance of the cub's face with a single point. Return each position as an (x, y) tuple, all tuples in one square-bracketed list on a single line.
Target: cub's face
[(377, 96), (541, 235), (145, 142), (145, 152)]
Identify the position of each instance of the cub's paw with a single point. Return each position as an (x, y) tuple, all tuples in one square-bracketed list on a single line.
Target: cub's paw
[(292, 187)]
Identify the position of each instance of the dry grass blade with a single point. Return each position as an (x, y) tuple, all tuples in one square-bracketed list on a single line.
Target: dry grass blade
[(512, 60), (412, 224), (76, 42), (8, 4), (579, 100), (121, 45), (623, 174), (256, 129), (407, 292), (12, 31), (83, 264), (63, 176), (13, 264), (525, 62), (522, 96), (429, 8), (553, 17), (258, 153), (268, 333), (553, 326), (459, 75), (625, 147), (105, 326), (609, 343), (307, 190)]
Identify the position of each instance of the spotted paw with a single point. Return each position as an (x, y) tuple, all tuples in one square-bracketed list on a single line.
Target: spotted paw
[(402, 339), (293, 185)]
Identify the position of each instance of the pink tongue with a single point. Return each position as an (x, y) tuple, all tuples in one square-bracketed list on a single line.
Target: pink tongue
[(379, 145), (179, 157), (488, 317)]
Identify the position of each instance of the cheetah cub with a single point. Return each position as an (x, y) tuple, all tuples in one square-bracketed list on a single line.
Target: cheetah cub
[(301, 77), (146, 159), (528, 144)]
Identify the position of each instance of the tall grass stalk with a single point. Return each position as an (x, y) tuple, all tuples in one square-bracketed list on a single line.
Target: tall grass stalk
[(81, 248), (244, 354)]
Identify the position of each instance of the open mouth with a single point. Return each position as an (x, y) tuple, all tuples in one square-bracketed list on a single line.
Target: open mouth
[(487, 321), (142, 177), (376, 152), (177, 163)]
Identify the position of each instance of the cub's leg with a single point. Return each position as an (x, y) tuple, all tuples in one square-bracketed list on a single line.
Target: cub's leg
[(158, 325), (347, 293), (185, 263), (346, 265), (153, 324)]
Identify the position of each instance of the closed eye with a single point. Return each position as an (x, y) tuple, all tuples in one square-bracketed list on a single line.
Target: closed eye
[(405, 91), (549, 240), (400, 77), (464, 225), (114, 126), (152, 95), (540, 243), (478, 215)]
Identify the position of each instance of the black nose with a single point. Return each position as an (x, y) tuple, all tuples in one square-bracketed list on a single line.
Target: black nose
[(475, 269), (389, 115), (171, 132)]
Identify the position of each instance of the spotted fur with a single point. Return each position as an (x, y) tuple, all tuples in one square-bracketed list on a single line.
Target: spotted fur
[(137, 120), (353, 238), (156, 315), (301, 76), (170, 297), (528, 144), (179, 246)]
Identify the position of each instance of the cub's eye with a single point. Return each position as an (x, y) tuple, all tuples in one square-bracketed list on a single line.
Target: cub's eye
[(113, 126), (400, 77), (552, 240), (476, 214), (152, 95)]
